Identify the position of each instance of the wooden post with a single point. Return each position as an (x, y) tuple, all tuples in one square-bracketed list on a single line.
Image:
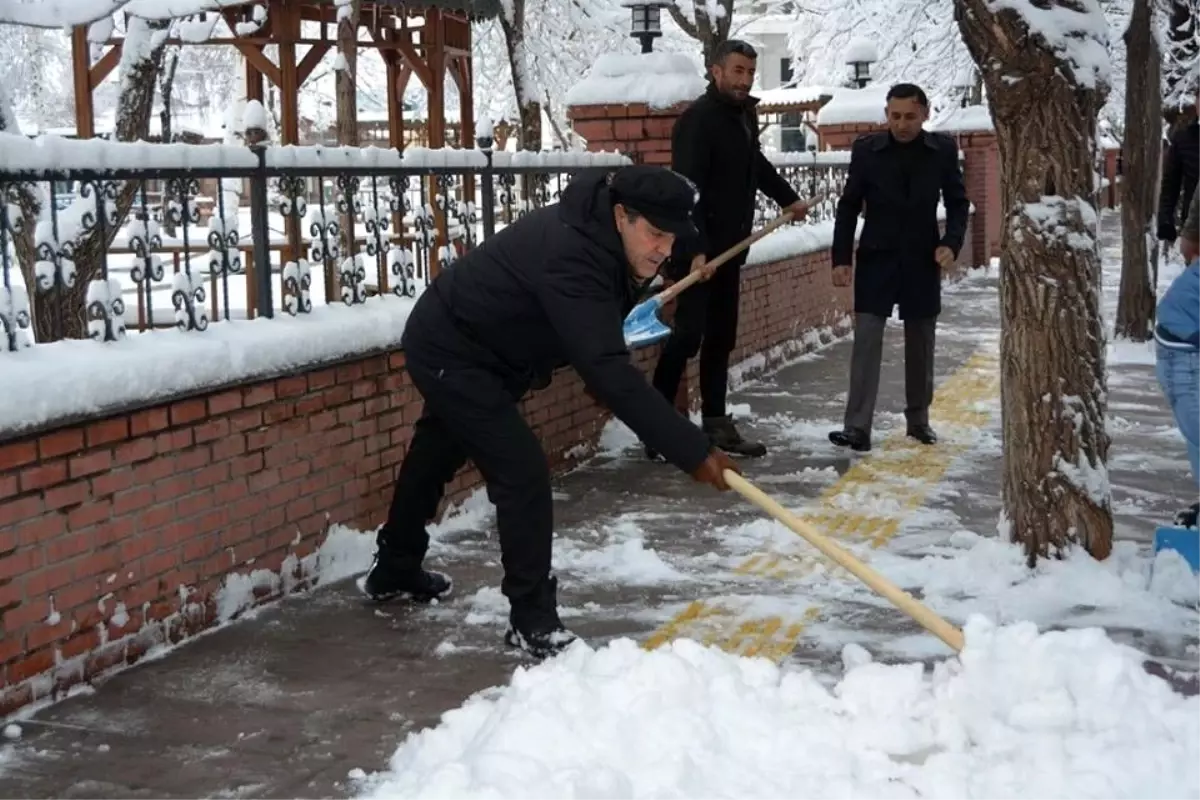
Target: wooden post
[(81, 63)]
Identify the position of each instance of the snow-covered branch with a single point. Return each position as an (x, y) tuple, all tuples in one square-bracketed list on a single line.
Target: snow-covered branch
[(60, 13)]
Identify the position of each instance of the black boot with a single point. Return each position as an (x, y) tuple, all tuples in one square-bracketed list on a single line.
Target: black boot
[(724, 435), (1187, 517), (533, 623), (922, 433), (392, 577), (857, 441)]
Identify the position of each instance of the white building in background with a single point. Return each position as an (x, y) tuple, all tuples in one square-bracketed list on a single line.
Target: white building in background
[(775, 84)]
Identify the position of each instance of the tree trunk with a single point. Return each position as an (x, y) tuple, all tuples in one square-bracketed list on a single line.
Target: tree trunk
[(1141, 150), (61, 312), (529, 109), (704, 28), (1052, 347), (166, 86)]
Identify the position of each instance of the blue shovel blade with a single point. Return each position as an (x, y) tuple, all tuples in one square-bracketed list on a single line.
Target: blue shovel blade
[(643, 327)]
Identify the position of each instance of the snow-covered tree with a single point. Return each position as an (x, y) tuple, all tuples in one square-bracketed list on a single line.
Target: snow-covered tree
[(1046, 67), (57, 13), (1142, 152)]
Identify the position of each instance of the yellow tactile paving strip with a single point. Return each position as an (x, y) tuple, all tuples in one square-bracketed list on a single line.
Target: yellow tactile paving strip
[(892, 482)]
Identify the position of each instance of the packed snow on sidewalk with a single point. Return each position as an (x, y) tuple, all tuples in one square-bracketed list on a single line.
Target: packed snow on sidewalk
[(1018, 713)]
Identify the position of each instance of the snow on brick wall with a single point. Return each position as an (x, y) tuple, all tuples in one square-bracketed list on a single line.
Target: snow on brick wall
[(660, 80), (963, 120), (850, 106)]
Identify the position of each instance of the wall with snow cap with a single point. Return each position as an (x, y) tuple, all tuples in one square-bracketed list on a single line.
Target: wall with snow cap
[(659, 80), (970, 119), (855, 106)]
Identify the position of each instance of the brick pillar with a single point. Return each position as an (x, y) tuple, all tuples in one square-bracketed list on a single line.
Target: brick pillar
[(635, 129), (841, 135), (981, 174)]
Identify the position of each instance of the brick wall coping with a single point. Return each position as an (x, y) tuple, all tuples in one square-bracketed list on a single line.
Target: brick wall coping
[(49, 385)]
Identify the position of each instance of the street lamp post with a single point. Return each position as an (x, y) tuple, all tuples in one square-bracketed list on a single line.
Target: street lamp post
[(645, 21)]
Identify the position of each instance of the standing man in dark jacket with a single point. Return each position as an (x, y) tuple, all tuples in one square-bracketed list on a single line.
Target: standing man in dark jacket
[(895, 177), (715, 144), (550, 290), (1181, 165)]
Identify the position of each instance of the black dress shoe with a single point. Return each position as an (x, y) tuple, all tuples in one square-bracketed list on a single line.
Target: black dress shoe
[(857, 441), (922, 433)]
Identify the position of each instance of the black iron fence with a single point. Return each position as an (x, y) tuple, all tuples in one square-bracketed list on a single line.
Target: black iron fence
[(177, 236)]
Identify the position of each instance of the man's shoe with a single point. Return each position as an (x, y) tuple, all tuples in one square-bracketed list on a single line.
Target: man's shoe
[(1187, 517), (857, 441), (396, 578), (922, 433), (654, 455), (533, 623), (724, 435)]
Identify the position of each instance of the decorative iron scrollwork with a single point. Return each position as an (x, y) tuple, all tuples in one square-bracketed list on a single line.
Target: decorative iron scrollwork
[(297, 279), (188, 298), (400, 267), (105, 310)]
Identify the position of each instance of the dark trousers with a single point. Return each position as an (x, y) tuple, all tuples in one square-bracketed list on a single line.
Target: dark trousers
[(864, 370), (706, 320), (469, 414)]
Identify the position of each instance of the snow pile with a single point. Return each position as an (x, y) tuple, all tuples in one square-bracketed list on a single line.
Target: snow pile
[(861, 49), (964, 120), (849, 106), (1060, 714), (660, 80)]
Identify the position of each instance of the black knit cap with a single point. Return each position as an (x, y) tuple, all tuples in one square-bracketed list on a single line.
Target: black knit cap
[(664, 197)]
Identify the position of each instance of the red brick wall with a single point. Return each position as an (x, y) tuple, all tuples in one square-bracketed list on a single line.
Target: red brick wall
[(634, 129), (841, 136), (981, 174), (154, 508)]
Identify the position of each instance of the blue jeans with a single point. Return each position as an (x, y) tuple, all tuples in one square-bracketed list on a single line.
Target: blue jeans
[(1179, 376)]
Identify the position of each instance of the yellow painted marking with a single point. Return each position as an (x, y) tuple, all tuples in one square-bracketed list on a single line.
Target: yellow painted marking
[(891, 483)]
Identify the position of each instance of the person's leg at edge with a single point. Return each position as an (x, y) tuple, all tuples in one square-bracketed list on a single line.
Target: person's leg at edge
[(919, 336), (687, 333), (866, 358), (720, 338), (432, 460), (1179, 375), (486, 423)]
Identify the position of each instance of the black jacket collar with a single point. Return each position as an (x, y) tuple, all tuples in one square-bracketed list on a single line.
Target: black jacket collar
[(885, 141)]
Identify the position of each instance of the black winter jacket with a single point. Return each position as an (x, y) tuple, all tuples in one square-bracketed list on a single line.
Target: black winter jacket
[(715, 144), (552, 289), (897, 187), (1181, 164)]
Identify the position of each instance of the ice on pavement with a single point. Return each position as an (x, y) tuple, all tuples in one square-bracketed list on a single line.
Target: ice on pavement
[(1019, 713)]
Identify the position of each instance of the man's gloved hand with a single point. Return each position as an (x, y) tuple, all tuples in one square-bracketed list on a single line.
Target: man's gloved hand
[(712, 471), (1167, 232)]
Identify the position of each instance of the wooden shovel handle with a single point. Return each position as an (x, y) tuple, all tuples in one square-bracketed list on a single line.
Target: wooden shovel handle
[(939, 627), (668, 294)]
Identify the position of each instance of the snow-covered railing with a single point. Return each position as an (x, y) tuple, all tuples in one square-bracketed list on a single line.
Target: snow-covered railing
[(814, 175), (203, 232)]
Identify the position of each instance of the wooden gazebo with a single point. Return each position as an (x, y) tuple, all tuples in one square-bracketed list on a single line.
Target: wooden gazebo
[(425, 38)]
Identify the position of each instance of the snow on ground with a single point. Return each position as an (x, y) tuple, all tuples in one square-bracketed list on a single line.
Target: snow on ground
[(1058, 714)]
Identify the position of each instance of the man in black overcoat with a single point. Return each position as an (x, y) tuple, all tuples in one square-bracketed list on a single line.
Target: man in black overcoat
[(548, 291), (895, 180), (715, 143)]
